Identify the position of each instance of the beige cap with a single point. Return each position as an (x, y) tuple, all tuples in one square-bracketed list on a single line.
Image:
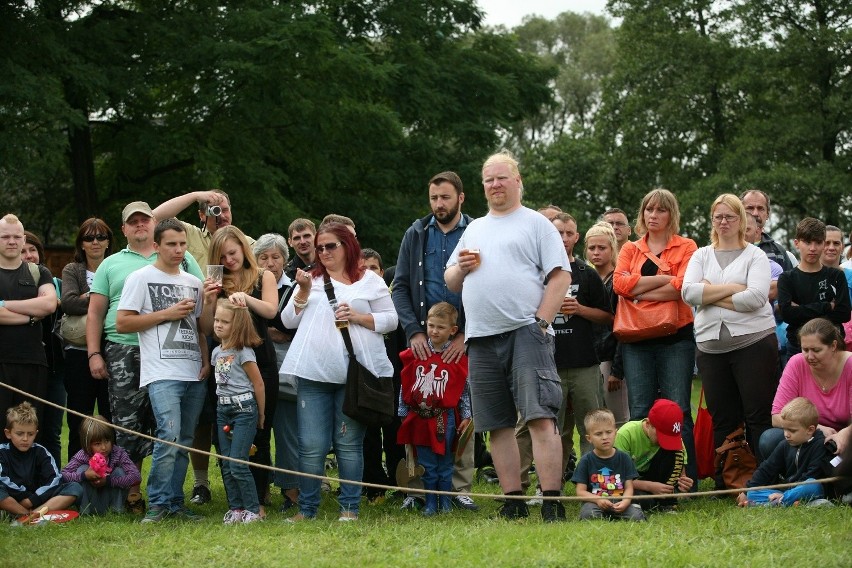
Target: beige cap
[(135, 207)]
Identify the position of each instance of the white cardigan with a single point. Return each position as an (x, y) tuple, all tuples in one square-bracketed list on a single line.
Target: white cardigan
[(318, 353), (752, 311)]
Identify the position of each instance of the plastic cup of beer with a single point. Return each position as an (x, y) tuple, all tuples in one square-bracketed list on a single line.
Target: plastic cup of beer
[(216, 272), (568, 294), (475, 252), (338, 323)]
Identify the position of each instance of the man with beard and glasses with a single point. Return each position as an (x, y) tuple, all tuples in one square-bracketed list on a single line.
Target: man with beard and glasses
[(419, 284)]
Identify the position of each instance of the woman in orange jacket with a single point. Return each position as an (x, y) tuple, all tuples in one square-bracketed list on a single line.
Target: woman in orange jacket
[(648, 271)]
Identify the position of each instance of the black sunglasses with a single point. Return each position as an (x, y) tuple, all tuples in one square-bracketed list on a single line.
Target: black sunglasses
[(91, 238)]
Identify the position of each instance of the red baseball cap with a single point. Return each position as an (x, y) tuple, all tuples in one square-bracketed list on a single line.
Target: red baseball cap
[(667, 418)]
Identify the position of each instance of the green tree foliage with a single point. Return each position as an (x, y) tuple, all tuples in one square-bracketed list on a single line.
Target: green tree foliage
[(709, 97), (295, 109)]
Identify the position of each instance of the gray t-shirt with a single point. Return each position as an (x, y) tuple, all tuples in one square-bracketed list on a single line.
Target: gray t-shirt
[(517, 252), (231, 378)]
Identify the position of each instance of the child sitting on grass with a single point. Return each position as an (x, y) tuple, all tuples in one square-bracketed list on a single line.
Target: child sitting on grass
[(605, 472), (804, 457), (656, 448), (29, 478), (107, 490), (434, 398)]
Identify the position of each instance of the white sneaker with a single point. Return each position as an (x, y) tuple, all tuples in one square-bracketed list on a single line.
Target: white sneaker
[(233, 517), (412, 502), (536, 501), (249, 517)]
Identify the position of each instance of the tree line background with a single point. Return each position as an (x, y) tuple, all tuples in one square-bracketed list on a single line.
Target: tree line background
[(302, 108)]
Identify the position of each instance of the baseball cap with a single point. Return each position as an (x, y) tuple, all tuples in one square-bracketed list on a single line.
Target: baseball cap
[(135, 207), (667, 418)]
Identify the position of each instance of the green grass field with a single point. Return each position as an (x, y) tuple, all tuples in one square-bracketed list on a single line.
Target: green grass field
[(703, 533)]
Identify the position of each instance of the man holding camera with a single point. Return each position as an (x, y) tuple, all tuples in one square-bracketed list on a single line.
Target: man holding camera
[(214, 212)]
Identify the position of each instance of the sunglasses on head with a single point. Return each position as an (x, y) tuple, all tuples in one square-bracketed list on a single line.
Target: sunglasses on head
[(91, 238), (329, 247)]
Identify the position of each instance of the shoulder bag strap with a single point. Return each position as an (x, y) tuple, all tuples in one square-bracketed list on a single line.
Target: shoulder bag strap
[(661, 264), (329, 291)]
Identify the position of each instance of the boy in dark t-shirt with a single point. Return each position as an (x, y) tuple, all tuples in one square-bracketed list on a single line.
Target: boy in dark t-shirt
[(605, 472), (811, 290)]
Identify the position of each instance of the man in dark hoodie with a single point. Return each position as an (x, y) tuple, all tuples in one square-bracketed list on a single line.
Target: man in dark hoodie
[(419, 284)]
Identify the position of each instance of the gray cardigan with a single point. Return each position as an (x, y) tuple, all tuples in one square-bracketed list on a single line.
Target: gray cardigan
[(74, 288)]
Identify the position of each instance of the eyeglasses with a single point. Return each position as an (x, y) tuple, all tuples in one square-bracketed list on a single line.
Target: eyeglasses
[(91, 238), (728, 218), (329, 247)]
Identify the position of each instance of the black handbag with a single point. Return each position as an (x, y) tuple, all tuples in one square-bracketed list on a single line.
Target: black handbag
[(368, 399)]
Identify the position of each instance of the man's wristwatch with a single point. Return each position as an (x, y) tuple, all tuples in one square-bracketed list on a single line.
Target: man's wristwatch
[(542, 323)]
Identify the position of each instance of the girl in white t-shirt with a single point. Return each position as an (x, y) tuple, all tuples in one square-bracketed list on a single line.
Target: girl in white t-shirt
[(239, 411)]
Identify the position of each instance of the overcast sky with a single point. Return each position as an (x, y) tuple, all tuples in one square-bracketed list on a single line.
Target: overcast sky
[(510, 12)]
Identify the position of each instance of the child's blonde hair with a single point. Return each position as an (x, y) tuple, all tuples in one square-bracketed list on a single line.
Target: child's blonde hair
[(243, 333), (801, 411), (444, 310), (24, 413), (92, 431), (598, 416)]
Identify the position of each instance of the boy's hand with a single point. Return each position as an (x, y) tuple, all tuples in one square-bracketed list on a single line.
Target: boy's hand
[(620, 506), (684, 483), (604, 505), (742, 500), (661, 488)]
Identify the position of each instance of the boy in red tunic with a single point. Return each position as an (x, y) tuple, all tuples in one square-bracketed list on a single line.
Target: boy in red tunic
[(434, 398)]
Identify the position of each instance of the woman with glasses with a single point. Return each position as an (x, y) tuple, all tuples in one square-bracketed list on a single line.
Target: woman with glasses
[(248, 286), (649, 272), (93, 244), (728, 284), (319, 360)]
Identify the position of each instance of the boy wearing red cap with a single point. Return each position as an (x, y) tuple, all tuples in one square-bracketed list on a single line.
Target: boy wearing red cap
[(657, 450)]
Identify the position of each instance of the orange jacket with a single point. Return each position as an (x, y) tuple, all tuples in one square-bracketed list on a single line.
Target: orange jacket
[(676, 255)]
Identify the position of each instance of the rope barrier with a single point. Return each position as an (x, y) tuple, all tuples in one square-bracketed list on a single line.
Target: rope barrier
[(492, 496)]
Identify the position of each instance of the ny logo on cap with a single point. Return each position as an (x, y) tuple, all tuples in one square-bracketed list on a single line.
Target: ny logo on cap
[(676, 428)]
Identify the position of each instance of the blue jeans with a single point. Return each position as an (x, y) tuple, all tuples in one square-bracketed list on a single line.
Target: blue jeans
[(438, 470), (177, 406), (667, 369), (286, 430), (769, 440), (237, 478), (321, 425), (798, 493)]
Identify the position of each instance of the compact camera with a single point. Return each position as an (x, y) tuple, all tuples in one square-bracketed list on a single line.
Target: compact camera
[(831, 446), (214, 210)]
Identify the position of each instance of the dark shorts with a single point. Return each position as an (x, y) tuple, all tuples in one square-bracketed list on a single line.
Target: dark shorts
[(128, 403), (513, 374)]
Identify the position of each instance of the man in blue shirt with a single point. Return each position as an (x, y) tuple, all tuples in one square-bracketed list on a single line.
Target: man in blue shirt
[(419, 284)]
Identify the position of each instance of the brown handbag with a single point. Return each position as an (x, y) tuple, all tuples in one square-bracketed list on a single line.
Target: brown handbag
[(735, 461), (637, 321)]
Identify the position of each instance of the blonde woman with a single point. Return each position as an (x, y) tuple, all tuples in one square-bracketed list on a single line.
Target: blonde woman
[(601, 252), (652, 269), (246, 285), (728, 284)]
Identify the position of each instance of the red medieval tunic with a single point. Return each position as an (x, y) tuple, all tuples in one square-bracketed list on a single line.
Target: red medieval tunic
[(429, 388)]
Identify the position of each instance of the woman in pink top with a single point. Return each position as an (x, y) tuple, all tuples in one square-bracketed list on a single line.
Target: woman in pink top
[(822, 373)]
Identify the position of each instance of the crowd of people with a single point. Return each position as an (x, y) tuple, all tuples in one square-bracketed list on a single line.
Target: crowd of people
[(506, 325)]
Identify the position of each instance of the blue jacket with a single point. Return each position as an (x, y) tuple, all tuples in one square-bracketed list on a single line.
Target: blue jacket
[(408, 290), (782, 464)]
